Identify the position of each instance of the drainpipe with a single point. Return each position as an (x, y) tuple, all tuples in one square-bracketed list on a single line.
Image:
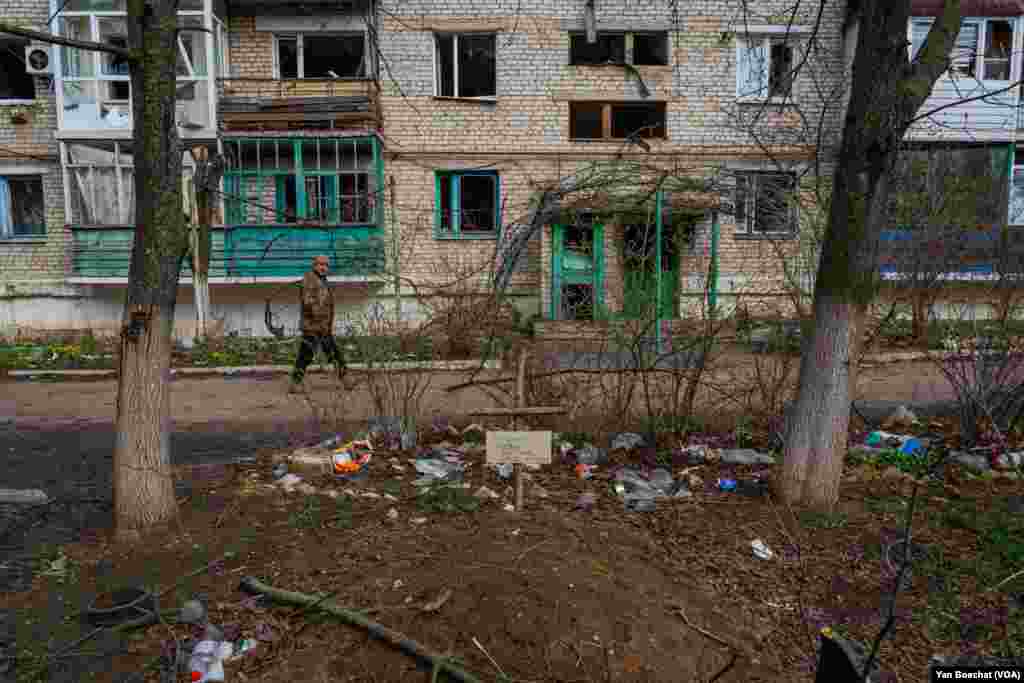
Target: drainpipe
[(713, 268)]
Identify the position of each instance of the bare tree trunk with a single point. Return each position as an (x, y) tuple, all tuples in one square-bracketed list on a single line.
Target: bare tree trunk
[(143, 480), (206, 179)]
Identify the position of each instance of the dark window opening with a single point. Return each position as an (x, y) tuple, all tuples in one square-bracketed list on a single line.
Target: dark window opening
[(585, 120), (610, 48), (121, 91), (640, 119), (650, 48), (116, 65), (446, 203), (477, 203), (466, 65), (764, 202), (21, 210), (446, 66), (579, 244), (780, 79), (289, 203), (578, 302), (288, 57), (998, 47), (342, 55), (15, 84), (355, 198)]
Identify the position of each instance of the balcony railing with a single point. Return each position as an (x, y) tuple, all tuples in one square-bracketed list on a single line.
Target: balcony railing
[(278, 88), (952, 253), (263, 251)]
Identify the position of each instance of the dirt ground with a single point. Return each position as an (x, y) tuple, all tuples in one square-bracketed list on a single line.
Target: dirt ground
[(264, 400), (549, 594)]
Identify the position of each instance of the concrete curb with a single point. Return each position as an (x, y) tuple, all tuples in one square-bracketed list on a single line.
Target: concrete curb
[(453, 365)]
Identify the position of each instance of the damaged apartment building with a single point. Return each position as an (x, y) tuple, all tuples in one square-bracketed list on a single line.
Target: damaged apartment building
[(670, 145)]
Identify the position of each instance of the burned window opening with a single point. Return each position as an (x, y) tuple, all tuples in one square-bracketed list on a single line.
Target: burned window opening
[(15, 83), (578, 302), (466, 65), (764, 204), (321, 55), (610, 48), (617, 120), (650, 49), (468, 203)]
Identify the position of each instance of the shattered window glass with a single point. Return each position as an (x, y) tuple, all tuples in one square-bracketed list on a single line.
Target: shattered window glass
[(466, 65), (332, 56), (650, 48), (610, 48), (15, 84), (641, 119), (287, 57), (585, 120)]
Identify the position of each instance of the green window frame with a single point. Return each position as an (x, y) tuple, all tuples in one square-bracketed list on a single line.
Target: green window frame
[(453, 220), (303, 180), (564, 273)]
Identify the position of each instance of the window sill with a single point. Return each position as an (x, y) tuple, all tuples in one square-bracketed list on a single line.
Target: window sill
[(617, 141), (764, 236), (449, 237), (786, 101), (622, 64), (16, 103), (475, 100), (23, 240)]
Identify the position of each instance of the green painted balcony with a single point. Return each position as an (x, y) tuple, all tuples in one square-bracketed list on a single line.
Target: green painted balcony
[(251, 253)]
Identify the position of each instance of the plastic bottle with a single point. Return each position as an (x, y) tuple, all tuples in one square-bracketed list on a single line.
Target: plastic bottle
[(207, 661), (905, 444)]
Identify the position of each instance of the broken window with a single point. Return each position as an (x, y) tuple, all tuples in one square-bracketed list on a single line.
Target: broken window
[(764, 68), (101, 183), (998, 46), (21, 207), (647, 48), (466, 65), (610, 48), (650, 48), (15, 83), (616, 120), (765, 203), (321, 55), (467, 203), (578, 302), (329, 183)]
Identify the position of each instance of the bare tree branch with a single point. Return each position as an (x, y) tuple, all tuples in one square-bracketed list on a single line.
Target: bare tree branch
[(66, 42)]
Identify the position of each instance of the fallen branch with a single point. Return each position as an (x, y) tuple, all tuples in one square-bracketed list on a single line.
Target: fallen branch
[(410, 647), (704, 632)]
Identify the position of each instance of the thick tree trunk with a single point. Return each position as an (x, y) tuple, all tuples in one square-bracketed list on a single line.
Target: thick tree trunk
[(143, 480), (886, 94)]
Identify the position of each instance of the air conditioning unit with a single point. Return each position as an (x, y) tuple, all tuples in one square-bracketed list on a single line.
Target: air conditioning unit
[(39, 59)]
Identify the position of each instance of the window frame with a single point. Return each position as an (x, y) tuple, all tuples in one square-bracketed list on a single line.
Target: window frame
[(766, 42), (628, 49), (300, 49), (455, 35), (979, 60), (15, 236), (748, 230), (455, 232), (607, 117)]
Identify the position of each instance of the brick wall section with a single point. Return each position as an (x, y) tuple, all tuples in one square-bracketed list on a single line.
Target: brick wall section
[(252, 51), (29, 148), (529, 120)]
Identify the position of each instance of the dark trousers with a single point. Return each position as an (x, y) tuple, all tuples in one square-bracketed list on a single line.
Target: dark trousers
[(307, 350)]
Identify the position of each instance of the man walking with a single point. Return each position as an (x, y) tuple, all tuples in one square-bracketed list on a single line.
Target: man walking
[(317, 323)]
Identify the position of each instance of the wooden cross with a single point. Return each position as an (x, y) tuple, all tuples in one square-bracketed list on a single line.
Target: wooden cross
[(519, 411)]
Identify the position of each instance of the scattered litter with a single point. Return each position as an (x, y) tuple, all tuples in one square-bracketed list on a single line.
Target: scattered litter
[(435, 470), (589, 454), (901, 417), (289, 481), (726, 484), (307, 489), (745, 456), (700, 454), (24, 496), (505, 469), (509, 507), (391, 499), (761, 549), (279, 470), (418, 520), (392, 513), (639, 491), (439, 601), (1010, 460), (486, 493), (241, 647), (514, 532), (192, 612), (586, 502), (539, 491), (627, 441), (207, 661), (905, 443), (473, 429), (351, 457), (398, 583), (392, 432), (265, 632), (370, 494), (584, 471), (754, 488)]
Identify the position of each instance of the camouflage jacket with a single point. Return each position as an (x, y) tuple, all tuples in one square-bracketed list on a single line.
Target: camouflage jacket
[(317, 305)]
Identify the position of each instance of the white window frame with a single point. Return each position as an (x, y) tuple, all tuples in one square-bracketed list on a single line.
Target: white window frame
[(299, 37), (748, 229), (455, 64), (979, 49), (764, 38)]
